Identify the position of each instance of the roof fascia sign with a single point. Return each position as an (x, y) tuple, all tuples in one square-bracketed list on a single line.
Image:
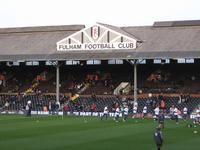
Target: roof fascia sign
[(97, 37)]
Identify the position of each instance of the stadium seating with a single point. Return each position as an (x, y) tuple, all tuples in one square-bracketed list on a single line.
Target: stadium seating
[(100, 81)]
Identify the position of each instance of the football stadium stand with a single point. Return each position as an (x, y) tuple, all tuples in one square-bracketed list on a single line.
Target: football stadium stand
[(86, 69)]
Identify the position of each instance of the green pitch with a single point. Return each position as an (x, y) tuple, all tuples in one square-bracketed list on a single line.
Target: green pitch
[(90, 133)]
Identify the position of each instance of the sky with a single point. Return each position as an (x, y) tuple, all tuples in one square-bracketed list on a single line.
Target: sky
[(24, 13)]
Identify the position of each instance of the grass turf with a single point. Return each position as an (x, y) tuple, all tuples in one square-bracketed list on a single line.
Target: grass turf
[(90, 133)]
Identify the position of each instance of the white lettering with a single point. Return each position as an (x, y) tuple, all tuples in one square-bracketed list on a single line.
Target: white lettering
[(126, 45), (96, 46)]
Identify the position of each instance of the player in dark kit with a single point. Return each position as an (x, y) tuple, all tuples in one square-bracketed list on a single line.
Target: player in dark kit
[(158, 137), (161, 119)]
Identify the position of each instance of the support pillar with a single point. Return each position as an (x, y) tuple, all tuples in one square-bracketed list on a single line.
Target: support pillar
[(57, 82), (135, 80)]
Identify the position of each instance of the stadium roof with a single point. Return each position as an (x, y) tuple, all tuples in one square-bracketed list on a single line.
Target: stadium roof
[(163, 40)]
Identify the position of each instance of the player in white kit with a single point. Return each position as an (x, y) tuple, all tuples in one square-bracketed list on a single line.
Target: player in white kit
[(125, 113), (105, 113)]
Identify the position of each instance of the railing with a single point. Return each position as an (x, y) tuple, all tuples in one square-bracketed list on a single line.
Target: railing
[(123, 86)]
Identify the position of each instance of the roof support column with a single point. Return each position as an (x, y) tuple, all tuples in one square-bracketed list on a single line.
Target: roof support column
[(57, 82), (134, 63), (135, 80)]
